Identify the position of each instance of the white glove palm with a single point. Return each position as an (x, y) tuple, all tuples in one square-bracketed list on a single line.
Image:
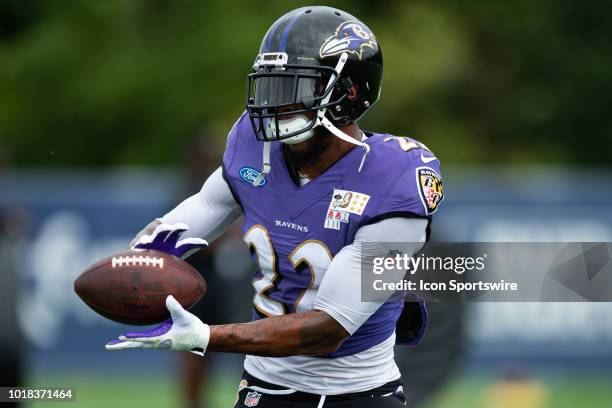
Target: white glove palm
[(183, 331)]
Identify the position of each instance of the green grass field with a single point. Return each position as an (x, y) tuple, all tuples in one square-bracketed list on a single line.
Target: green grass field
[(120, 391), (161, 392), (591, 392)]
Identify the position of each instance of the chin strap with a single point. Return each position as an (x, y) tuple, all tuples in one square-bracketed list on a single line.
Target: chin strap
[(323, 121), (341, 135), (266, 167)]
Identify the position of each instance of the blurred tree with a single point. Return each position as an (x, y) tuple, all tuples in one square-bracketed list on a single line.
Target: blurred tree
[(121, 81)]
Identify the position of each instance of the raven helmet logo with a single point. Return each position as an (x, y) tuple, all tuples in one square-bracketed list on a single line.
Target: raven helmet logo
[(351, 37)]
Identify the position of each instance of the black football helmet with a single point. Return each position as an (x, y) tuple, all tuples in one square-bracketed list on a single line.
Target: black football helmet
[(308, 62)]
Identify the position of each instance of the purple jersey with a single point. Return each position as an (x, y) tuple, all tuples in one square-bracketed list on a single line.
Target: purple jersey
[(294, 232)]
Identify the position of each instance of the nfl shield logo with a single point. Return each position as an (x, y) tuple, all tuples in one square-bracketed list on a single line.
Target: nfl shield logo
[(252, 399)]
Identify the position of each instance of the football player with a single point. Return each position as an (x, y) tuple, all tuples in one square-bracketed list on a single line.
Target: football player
[(325, 190)]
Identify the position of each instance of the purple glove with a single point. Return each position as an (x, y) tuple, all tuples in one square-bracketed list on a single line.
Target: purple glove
[(166, 237)]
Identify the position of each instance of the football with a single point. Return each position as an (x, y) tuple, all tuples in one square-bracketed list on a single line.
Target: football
[(131, 287)]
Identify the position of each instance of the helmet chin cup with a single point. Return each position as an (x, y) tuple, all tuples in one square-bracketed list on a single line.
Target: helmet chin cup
[(287, 126), (299, 138)]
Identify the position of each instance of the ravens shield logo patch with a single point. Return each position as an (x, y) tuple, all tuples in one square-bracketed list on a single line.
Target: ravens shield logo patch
[(430, 188)]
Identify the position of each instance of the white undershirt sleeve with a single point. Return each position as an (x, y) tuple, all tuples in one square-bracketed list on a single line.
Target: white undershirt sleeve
[(339, 294), (208, 213)]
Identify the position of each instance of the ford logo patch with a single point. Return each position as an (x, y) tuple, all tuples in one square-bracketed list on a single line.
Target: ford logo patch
[(248, 175)]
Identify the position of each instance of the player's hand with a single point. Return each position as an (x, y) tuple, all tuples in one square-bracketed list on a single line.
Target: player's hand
[(183, 331), (166, 238)]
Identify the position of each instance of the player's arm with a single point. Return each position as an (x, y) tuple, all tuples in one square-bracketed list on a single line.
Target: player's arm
[(206, 215), (338, 309), (307, 333), (338, 312)]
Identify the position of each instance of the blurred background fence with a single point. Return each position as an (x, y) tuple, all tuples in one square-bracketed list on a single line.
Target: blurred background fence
[(111, 112)]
